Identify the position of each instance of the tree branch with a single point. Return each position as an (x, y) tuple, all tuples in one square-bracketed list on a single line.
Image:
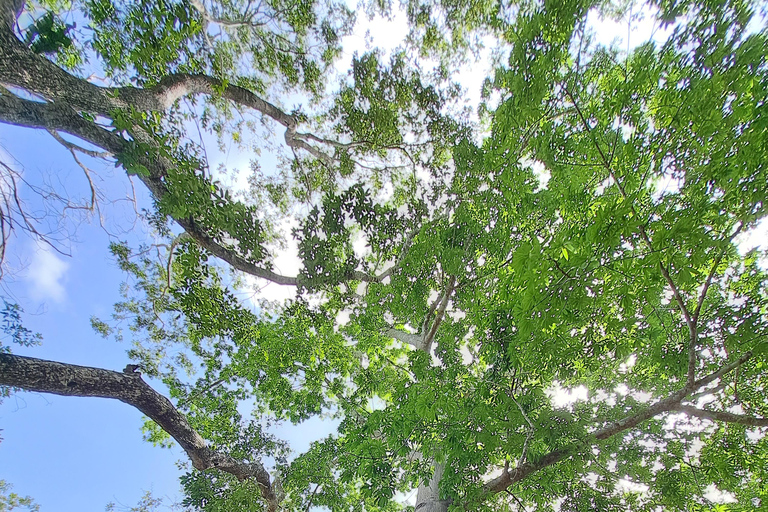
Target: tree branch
[(57, 117), (74, 147), (10, 10), (31, 374), (439, 314), (693, 335), (69, 95), (176, 86), (670, 403), (413, 340), (711, 274), (727, 417)]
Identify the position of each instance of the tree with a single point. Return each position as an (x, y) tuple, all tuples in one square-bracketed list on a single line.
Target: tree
[(587, 239), (10, 500)]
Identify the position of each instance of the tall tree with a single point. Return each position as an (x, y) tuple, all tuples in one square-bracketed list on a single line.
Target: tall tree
[(587, 238)]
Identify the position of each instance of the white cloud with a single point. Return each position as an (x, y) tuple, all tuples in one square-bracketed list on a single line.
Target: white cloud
[(45, 275)]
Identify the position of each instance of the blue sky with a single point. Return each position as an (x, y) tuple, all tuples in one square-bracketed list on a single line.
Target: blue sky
[(73, 453)]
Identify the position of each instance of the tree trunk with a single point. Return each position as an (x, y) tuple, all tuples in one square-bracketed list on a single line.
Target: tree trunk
[(428, 496)]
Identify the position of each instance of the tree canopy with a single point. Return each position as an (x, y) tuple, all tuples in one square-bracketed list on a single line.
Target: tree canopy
[(456, 274)]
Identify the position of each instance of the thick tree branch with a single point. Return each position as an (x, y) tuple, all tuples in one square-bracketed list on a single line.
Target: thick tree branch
[(670, 403), (409, 339), (23, 68), (177, 86), (295, 142), (331, 142), (9, 12), (43, 376), (727, 417), (57, 117)]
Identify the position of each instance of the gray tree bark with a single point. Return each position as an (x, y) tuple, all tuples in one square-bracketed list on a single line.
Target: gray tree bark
[(428, 496), (33, 374)]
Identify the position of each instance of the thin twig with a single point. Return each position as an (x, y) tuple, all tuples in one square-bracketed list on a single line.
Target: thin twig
[(519, 503), (712, 271), (531, 429), (74, 147), (312, 497)]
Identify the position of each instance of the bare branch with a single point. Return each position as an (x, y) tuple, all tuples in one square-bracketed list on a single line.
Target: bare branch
[(723, 416), (197, 4), (87, 173), (330, 142), (14, 213), (74, 147), (177, 86), (440, 314), (299, 143), (413, 340)]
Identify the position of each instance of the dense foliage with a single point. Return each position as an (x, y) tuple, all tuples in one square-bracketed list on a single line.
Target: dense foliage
[(456, 276)]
